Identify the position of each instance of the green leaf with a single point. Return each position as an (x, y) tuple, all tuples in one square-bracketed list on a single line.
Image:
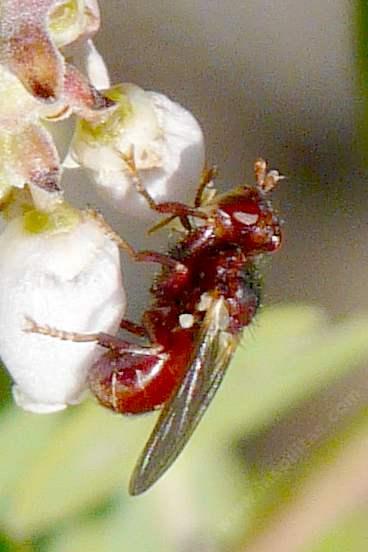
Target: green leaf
[(349, 535), (290, 355), (361, 58), (195, 506), (85, 459), (23, 436), (5, 388), (136, 525)]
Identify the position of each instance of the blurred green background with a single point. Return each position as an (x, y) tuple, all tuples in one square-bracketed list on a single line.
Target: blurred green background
[(279, 462)]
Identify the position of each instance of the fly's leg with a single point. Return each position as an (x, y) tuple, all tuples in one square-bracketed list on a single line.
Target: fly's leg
[(208, 176), (164, 222), (116, 377), (174, 208), (105, 340), (133, 328), (139, 256)]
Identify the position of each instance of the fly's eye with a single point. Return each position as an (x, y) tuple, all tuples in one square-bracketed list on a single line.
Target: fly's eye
[(248, 219)]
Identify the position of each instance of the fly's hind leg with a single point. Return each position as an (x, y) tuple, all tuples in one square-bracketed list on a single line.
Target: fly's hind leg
[(105, 340), (115, 375)]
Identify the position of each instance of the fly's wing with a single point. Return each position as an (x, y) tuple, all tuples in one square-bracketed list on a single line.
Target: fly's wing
[(184, 410)]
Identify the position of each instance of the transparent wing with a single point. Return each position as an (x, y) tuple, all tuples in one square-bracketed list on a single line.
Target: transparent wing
[(182, 413)]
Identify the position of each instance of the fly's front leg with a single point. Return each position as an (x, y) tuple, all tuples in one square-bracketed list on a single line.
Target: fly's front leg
[(208, 176), (174, 208)]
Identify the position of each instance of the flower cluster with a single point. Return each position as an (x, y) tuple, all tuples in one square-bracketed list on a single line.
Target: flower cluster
[(58, 266)]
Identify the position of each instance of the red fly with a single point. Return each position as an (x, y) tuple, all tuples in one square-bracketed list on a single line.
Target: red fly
[(207, 291)]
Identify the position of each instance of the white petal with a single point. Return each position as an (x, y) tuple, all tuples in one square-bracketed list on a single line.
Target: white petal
[(68, 280), (72, 21), (29, 404), (169, 155), (95, 66)]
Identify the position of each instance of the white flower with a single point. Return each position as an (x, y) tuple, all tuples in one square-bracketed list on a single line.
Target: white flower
[(166, 141), (73, 20), (58, 270), (38, 84)]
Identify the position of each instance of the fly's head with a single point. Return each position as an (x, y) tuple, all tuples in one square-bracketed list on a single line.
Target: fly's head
[(246, 218)]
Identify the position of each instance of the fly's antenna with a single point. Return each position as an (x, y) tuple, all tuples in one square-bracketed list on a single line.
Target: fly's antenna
[(266, 180)]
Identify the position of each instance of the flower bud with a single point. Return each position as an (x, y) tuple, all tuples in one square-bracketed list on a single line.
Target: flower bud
[(164, 139), (58, 269)]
